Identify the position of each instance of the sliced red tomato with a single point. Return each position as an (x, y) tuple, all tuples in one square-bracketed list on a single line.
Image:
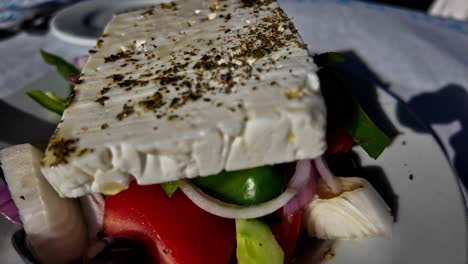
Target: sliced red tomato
[(338, 139), (174, 230), (286, 233)]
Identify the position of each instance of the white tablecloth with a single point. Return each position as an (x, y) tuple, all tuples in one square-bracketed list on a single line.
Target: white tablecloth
[(456, 9), (422, 59)]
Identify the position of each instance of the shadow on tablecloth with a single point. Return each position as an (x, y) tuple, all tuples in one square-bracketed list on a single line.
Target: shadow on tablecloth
[(447, 105)]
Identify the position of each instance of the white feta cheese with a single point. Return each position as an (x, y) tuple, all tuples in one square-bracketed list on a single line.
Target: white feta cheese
[(187, 106), (211, 16)]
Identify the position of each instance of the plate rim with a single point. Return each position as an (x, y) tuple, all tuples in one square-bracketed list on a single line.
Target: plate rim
[(91, 5)]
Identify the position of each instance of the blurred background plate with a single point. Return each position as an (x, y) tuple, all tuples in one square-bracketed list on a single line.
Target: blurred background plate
[(82, 23)]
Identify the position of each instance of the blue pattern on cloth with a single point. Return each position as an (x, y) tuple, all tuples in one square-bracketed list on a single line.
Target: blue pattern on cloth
[(454, 25), (12, 11)]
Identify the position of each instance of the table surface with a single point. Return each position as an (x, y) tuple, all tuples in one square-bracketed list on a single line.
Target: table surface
[(420, 59)]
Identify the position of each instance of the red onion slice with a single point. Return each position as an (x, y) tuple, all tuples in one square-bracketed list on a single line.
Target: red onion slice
[(301, 174), (304, 179), (80, 62), (7, 207), (327, 176), (73, 78)]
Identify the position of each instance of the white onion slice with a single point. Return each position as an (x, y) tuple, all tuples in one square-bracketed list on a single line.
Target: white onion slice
[(358, 212), (222, 209), (92, 207), (55, 228), (327, 175)]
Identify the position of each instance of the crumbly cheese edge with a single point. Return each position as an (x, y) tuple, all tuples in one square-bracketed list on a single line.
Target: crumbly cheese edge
[(109, 170)]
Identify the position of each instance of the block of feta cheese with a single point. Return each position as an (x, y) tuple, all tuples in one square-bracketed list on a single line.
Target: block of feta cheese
[(187, 89)]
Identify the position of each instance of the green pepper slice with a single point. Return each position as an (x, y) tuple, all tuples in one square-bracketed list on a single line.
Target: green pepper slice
[(244, 187), (256, 244)]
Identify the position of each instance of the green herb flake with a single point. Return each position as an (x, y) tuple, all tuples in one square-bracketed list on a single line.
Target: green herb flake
[(170, 187)]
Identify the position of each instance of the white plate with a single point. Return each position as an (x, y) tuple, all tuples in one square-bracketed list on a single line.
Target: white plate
[(431, 225), (82, 23)]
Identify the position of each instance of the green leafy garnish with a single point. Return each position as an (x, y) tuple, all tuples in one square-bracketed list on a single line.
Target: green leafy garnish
[(170, 187), (328, 58), (365, 132), (63, 67), (48, 100), (344, 105)]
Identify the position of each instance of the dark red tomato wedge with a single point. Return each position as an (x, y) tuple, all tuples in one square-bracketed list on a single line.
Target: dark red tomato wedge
[(338, 139), (174, 230), (286, 232)]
